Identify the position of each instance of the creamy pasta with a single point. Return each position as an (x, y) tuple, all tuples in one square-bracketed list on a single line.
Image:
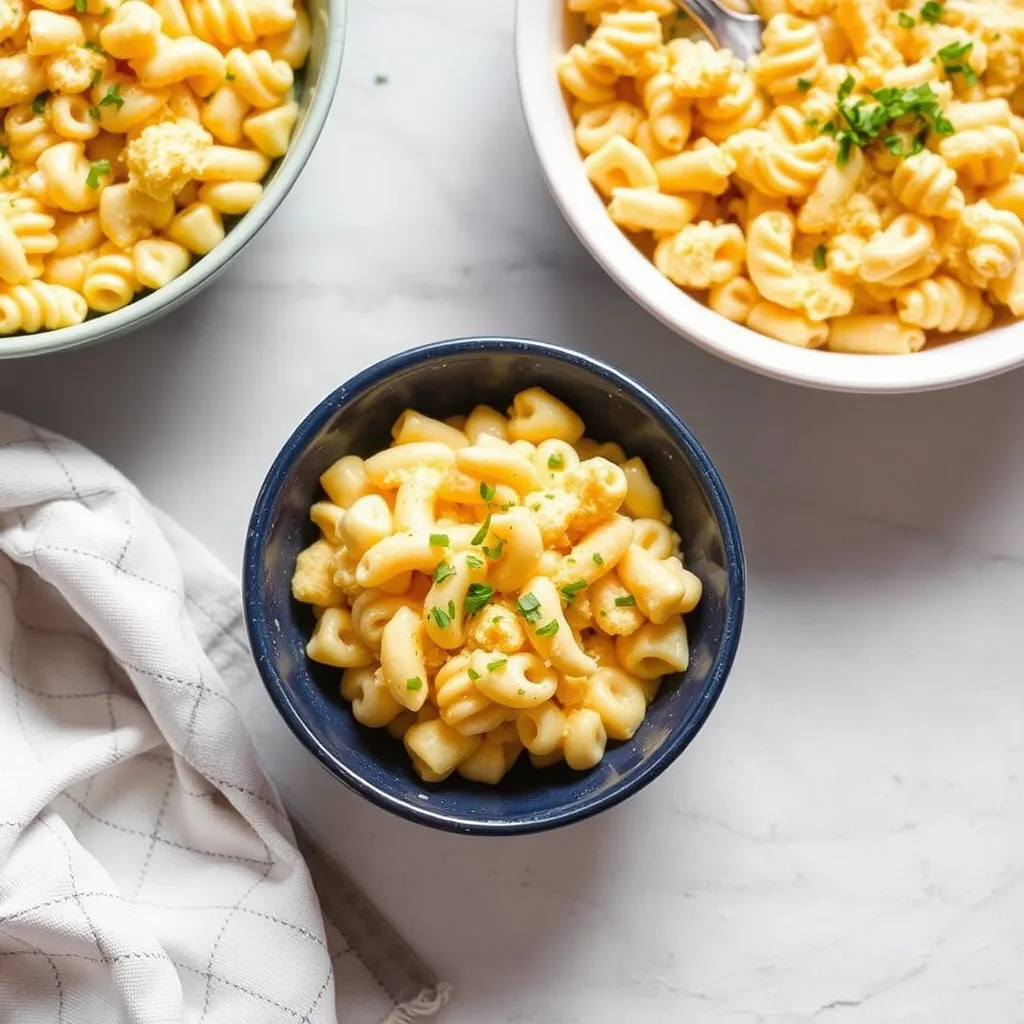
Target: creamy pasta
[(497, 583), (131, 130), (859, 184)]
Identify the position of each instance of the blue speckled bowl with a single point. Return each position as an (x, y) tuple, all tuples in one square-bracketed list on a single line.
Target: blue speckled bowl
[(441, 380)]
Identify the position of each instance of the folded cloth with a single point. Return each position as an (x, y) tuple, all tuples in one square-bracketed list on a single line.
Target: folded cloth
[(148, 872)]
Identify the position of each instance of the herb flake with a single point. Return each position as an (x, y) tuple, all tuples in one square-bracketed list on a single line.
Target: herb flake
[(97, 170), (626, 601), (820, 252), (439, 540), (570, 590), (477, 597), (444, 571), (548, 629), (481, 535), (529, 607), (493, 666), (414, 683)]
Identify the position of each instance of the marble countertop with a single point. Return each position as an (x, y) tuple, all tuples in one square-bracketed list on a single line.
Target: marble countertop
[(844, 842)]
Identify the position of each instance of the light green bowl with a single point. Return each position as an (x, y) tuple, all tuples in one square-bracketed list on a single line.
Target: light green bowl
[(316, 86)]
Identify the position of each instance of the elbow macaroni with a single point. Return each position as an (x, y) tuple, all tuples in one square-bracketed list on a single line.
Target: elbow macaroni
[(533, 603), (856, 186), (152, 120)]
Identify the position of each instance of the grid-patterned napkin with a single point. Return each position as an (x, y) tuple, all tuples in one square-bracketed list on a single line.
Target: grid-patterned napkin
[(148, 872)]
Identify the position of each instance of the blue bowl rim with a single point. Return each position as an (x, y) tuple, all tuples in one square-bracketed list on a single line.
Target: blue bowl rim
[(259, 631)]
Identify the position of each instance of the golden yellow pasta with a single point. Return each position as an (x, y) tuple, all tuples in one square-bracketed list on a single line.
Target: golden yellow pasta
[(858, 185), (499, 582), (130, 130)]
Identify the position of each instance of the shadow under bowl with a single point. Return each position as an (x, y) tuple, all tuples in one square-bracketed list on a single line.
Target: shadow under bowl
[(442, 380)]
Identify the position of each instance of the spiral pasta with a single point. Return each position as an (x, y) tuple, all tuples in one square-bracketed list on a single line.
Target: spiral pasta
[(475, 624), (130, 131)]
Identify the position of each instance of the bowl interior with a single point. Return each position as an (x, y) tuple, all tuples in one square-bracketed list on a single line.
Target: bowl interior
[(543, 33), (441, 382), (314, 89)]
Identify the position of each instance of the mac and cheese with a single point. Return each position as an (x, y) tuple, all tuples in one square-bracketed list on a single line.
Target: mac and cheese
[(495, 583), (131, 130), (856, 185)]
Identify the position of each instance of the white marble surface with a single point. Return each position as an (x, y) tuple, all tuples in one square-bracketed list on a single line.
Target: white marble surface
[(844, 842)]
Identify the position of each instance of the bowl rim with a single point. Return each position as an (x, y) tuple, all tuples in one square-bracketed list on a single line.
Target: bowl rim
[(548, 123), (202, 271), (259, 629)]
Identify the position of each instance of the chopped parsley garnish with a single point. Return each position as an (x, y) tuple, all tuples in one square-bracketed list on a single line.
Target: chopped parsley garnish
[(477, 596), (598, 560), (39, 103), (97, 169), (96, 76), (6, 172), (521, 692), (950, 58), (556, 461), (229, 77), (529, 607), (444, 571), (473, 675), (931, 12), (495, 552), (451, 609), (486, 491), (440, 617), (820, 252), (803, 84), (905, 20), (481, 535), (95, 47), (570, 590), (473, 562), (493, 666), (439, 540), (859, 124), (80, 6), (380, 79), (113, 97), (625, 602), (415, 683), (548, 629)]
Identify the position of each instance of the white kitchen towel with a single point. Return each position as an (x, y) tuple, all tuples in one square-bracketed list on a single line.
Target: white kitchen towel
[(148, 872)]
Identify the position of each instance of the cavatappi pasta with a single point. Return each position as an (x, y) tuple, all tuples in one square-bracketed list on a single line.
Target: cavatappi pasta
[(130, 131), (859, 184), (497, 583)]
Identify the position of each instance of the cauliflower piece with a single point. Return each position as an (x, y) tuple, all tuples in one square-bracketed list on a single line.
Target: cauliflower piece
[(702, 255), (12, 17), (72, 71), (698, 69), (497, 627), (552, 511), (165, 157), (609, 617), (343, 569), (312, 581), (600, 488)]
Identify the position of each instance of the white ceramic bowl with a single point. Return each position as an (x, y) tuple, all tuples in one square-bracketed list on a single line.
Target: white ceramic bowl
[(315, 88), (543, 33)]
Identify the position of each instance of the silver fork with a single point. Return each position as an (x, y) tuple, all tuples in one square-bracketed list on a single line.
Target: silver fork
[(740, 33)]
